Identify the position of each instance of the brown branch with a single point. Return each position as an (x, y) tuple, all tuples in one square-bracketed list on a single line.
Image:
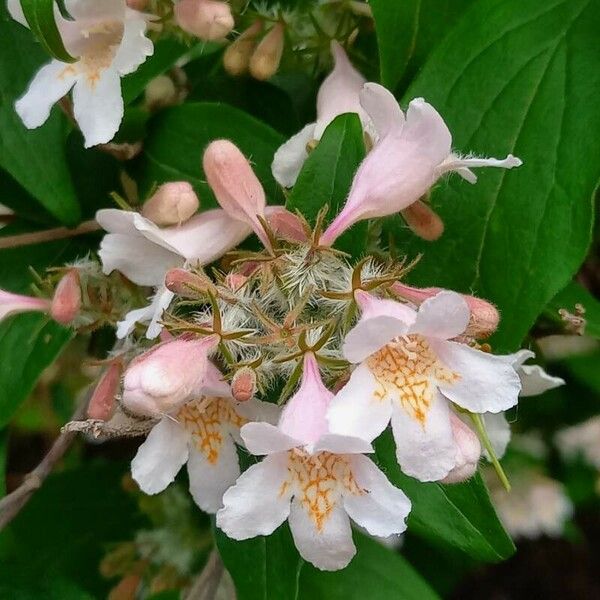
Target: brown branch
[(206, 585), (11, 504), (48, 235)]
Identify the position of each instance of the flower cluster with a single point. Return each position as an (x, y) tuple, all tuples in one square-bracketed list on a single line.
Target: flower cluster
[(291, 351)]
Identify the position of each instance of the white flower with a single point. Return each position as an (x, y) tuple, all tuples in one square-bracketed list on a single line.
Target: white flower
[(338, 94), (582, 439), (144, 253), (108, 39), (203, 433), (316, 480), (410, 372)]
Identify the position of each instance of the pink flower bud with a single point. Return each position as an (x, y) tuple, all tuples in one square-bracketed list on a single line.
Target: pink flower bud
[(137, 4), (243, 384), (468, 451), (166, 376), (236, 187), (186, 284), (235, 281), (207, 19), (102, 402), (172, 204), (236, 58), (12, 304), (423, 221), (267, 56), (484, 315), (160, 92), (287, 225), (66, 303)]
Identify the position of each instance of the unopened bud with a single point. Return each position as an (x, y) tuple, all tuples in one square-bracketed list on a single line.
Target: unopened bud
[(160, 92), (468, 451), (102, 402), (237, 55), (173, 203), (265, 60), (243, 384), (137, 4), (207, 19), (126, 589), (287, 225), (423, 221), (484, 315), (66, 302), (12, 304), (187, 284)]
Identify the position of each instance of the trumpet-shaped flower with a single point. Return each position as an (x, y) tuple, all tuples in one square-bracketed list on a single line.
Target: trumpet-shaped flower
[(108, 40), (202, 433), (315, 480), (411, 372), (12, 304), (410, 155), (338, 94)]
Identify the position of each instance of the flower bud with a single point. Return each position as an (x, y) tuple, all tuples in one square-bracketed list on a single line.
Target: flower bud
[(173, 203), (287, 225), (137, 4), (484, 315), (243, 385), (237, 55), (166, 376), (66, 302), (468, 451), (236, 187), (12, 304), (160, 92), (207, 19), (423, 221), (102, 402), (187, 284), (265, 60)]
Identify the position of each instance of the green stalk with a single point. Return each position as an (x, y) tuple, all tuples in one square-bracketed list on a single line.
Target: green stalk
[(478, 421)]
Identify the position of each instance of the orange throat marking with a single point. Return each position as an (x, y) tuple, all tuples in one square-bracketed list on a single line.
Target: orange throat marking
[(208, 420), (407, 369)]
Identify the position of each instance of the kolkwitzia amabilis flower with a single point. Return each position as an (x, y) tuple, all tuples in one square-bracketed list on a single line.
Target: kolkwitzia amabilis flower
[(316, 480), (203, 433), (12, 304), (411, 153), (410, 372), (338, 94), (108, 39)]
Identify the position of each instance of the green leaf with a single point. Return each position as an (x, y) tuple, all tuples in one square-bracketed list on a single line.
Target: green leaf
[(262, 568), (3, 450), (178, 136), (36, 158), (460, 515), (40, 17), (522, 80), (375, 573), (574, 294), (327, 175)]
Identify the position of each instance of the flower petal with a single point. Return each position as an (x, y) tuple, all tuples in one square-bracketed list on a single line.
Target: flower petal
[(356, 410), (49, 85), (98, 106), (329, 548), (498, 430), (16, 12), (382, 107), (135, 46), (290, 156), (535, 380), (382, 509), (425, 450), (210, 480), (148, 314), (160, 457), (445, 315), (255, 505), (342, 444), (487, 383), (92, 9), (264, 438)]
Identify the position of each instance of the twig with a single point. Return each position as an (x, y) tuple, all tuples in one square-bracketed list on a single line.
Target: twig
[(206, 585), (58, 233), (11, 504)]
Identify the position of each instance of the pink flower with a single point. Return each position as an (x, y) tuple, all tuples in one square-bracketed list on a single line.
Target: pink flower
[(410, 155), (12, 304), (167, 376), (468, 451), (316, 480)]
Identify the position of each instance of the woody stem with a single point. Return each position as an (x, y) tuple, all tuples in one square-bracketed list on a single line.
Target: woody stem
[(48, 235)]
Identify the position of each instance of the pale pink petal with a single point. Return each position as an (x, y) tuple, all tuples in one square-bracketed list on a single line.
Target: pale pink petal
[(381, 509), (535, 381), (160, 457), (214, 382), (468, 451), (210, 480), (486, 383), (382, 108), (290, 156), (445, 315), (114, 220), (425, 450), (135, 47), (357, 410), (49, 85), (160, 302), (11, 304), (255, 505), (92, 9), (256, 410), (342, 444), (330, 548), (264, 438), (16, 12), (498, 430)]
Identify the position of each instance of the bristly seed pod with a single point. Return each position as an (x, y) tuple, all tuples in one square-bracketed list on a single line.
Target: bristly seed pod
[(236, 58), (265, 60), (243, 384), (66, 302)]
